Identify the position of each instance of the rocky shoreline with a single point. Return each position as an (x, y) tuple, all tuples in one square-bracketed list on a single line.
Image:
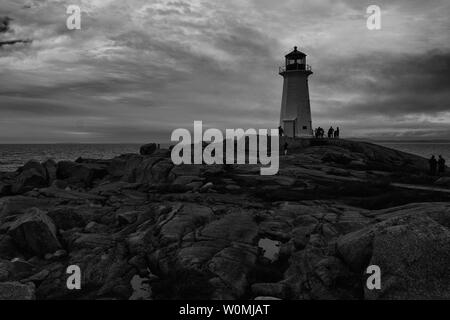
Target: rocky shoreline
[(141, 228)]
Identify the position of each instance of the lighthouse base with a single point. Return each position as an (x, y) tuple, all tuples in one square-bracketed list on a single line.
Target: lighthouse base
[(292, 130)]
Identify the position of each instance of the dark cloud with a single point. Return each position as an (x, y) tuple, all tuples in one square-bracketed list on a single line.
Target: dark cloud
[(12, 42), (5, 28), (390, 85), (4, 24)]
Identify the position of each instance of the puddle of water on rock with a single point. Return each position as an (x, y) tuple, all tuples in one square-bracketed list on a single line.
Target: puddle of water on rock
[(141, 288), (271, 248)]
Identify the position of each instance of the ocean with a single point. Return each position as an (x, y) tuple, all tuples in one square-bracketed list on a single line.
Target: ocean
[(421, 148), (13, 156)]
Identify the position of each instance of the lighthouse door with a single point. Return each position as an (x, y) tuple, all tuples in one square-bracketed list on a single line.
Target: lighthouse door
[(289, 128)]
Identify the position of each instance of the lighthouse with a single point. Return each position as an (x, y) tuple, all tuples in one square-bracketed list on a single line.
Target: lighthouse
[(295, 115)]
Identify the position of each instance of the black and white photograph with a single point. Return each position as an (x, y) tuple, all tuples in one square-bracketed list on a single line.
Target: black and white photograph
[(226, 155)]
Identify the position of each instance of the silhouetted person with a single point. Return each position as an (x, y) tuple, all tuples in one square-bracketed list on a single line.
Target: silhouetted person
[(441, 165), (280, 131), (433, 165), (285, 148), (336, 132), (330, 132), (322, 132), (316, 133)]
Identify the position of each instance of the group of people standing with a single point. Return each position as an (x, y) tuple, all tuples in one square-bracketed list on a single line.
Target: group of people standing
[(437, 165), (332, 133), (318, 132)]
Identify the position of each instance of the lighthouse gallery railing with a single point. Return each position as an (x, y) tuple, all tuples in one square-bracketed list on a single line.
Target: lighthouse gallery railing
[(295, 67)]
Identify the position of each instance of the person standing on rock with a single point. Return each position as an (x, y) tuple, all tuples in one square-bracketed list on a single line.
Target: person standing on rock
[(280, 131), (330, 132), (285, 148), (441, 165), (336, 133), (433, 165)]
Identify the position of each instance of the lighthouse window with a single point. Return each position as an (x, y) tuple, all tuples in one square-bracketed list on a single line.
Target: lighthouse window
[(305, 127)]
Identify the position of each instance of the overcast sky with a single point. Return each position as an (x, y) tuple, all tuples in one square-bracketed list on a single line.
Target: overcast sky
[(139, 69)]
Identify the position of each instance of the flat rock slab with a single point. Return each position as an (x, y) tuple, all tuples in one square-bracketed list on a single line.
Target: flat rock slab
[(35, 232)]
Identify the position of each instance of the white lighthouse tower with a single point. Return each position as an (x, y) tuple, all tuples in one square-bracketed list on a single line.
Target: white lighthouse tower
[(295, 117)]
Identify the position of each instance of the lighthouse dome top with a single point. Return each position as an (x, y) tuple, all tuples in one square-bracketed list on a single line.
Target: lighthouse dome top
[(295, 54)]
